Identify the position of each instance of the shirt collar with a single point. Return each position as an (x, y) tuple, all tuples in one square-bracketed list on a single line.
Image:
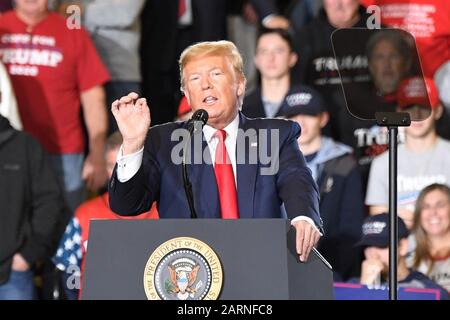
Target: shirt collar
[(231, 129)]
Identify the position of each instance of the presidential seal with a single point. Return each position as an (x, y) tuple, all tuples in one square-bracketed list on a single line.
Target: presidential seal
[(183, 269)]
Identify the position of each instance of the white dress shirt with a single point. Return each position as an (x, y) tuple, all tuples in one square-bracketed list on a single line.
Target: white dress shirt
[(230, 142), (128, 165)]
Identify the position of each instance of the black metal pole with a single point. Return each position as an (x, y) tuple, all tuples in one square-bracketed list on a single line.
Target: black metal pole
[(198, 120), (187, 182), (393, 232)]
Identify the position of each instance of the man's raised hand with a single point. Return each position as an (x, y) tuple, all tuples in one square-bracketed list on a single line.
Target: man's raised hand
[(132, 115)]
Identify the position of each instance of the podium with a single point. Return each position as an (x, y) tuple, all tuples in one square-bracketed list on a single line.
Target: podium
[(244, 259)]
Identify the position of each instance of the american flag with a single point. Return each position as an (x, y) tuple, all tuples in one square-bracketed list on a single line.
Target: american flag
[(69, 252)]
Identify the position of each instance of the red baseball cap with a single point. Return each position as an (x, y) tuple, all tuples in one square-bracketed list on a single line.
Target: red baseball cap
[(417, 91)]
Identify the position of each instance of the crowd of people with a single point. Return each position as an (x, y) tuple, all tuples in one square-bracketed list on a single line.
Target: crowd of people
[(59, 140)]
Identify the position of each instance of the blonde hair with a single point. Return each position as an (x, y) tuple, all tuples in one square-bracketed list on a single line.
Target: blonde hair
[(212, 48), (422, 251)]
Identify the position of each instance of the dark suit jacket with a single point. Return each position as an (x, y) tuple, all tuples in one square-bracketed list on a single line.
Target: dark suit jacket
[(259, 196)]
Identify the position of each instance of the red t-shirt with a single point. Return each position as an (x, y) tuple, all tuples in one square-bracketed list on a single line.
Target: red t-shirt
[(428, 21), (50, 65)]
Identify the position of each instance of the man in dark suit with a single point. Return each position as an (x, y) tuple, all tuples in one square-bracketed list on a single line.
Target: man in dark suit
[(148, 167), (164, 36)]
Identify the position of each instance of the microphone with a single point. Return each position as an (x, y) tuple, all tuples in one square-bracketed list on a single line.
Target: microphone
[(198, 119)]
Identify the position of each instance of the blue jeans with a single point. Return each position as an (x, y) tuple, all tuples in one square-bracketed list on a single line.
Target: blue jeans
[(68, 168), (18, 287)]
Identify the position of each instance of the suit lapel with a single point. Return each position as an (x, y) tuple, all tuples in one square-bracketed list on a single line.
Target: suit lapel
[(246, 172)]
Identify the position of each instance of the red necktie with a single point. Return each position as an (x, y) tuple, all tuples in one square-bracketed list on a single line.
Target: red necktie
[(225, 179), (181, 8)]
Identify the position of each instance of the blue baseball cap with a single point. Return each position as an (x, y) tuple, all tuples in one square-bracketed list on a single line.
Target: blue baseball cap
[(303, 100), (375, 231)]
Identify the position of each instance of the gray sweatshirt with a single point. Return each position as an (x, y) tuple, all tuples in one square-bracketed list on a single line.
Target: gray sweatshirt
[(114, 26)]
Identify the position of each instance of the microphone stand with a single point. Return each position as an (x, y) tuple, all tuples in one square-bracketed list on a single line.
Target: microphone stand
[(393, 120), (197, 121), (186, 181)]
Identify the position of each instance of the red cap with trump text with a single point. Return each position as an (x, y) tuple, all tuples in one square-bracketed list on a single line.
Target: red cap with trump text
[(417, 91)]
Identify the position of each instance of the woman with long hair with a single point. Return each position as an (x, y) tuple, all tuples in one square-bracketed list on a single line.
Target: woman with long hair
[(431, 229)]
